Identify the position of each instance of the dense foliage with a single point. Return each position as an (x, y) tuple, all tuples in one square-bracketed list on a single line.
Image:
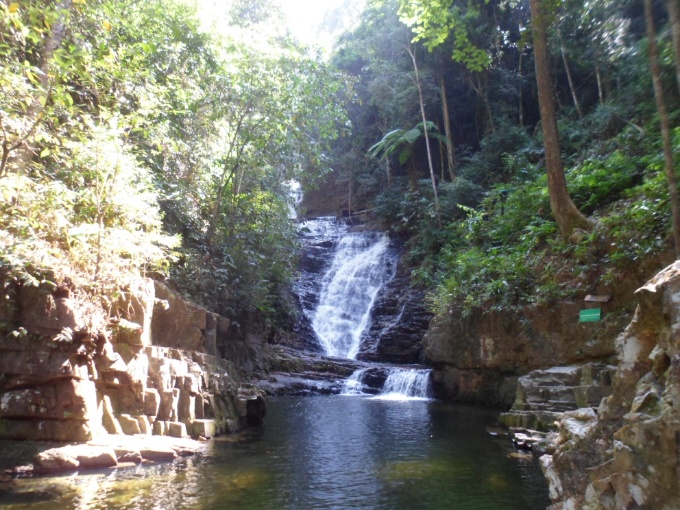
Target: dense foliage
[(498, 244), (139, 140), (154, 138)]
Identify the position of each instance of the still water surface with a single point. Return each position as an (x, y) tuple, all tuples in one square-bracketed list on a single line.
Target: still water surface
[(334, 452)]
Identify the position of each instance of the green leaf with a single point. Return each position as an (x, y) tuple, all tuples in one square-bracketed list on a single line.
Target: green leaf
[(412, 135)]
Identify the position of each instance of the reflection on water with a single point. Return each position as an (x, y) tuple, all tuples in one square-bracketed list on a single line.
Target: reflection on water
[(319, 452)]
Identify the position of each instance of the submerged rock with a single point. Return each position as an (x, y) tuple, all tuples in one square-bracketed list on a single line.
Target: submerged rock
[(110, 452)]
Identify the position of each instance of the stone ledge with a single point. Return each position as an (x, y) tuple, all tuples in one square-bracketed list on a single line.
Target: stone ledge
[(110, 452)]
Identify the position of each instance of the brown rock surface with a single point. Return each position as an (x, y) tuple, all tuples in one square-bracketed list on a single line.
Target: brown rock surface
[(156, 361), (628, 457)]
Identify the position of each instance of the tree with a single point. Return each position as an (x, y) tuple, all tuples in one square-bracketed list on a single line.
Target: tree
[(40, 82), (674, 18), (665, 124), (566, 214)]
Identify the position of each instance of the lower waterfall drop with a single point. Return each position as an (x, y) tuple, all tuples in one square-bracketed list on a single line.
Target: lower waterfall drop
[(406, 383), (399, 384), (353, 384)]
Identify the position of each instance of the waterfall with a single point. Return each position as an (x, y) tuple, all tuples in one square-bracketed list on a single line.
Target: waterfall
[(354, 385), (348, 290), (407, 382), (399, 383)]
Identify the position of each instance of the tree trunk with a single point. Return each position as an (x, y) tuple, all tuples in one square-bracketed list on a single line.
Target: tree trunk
[(674, 17), (427, 137), (572, 88), (388, 168), (481, 93), (442, 162), (521, 94), (598, 76), (566, 214), (665, 124), (450, 153)]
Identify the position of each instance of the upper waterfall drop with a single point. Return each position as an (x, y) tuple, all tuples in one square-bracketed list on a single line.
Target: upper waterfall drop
[(360, 267)]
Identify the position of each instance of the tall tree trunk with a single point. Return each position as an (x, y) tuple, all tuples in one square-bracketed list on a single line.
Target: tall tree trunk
[(427, 136), (665, 124), (566, 214), (598, 77), (572, 88), (349, 194), (480, 90), (674, 16), (442, 162), (450, 152), (382, 124), (519, 88)]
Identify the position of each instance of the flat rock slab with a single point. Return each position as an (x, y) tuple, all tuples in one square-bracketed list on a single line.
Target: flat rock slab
[(111, 451)]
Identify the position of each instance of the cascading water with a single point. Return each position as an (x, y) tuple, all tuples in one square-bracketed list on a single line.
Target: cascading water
[(400, 383), (353, 384), (409, 383), (354, 267), (359, 269)]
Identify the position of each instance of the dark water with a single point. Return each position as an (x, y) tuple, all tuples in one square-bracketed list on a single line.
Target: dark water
[(321, 452)]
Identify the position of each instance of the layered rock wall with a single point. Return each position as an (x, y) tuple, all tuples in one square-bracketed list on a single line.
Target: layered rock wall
[(160, 366), (480, 356), (628, 455)]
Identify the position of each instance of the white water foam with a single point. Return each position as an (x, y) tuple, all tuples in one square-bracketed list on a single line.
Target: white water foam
[(401, 384), (406, 384), (353, 384), (349, 288)]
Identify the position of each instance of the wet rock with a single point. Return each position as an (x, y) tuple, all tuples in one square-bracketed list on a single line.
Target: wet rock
[(300, 374), (69, 458), (400, 319)]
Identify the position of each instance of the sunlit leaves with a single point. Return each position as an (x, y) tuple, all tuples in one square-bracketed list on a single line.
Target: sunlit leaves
[(435, 21)]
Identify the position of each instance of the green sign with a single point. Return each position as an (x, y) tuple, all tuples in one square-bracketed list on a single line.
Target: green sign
[(590, 315)]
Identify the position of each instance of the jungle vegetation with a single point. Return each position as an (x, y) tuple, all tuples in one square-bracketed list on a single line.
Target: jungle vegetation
[(524, 149)]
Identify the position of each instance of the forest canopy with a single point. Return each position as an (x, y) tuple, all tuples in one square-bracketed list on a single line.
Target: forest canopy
[(524, 150), (138, 140)]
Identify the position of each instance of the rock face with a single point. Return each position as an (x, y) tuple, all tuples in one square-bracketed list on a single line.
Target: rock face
[(479, 357), (159, 368), (296, 373), (627, 457), (543, 395), (400, 319)]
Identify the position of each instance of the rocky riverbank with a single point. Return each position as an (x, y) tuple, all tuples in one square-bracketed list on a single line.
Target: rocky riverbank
[(150, 363), (479, 356), (110, 451), (626, 456)]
